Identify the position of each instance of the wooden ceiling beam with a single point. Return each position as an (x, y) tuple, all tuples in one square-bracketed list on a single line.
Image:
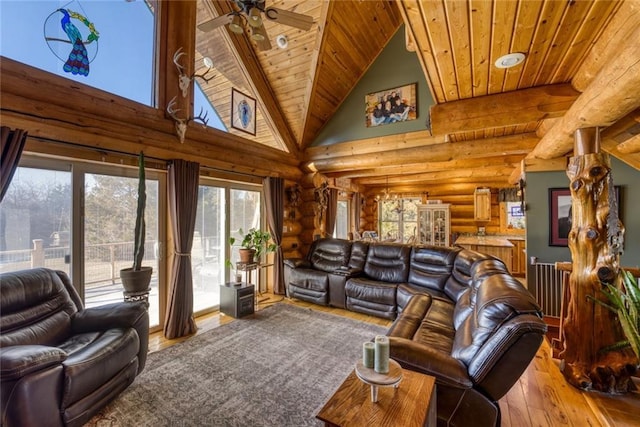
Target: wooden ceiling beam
[(492, 172), (256, 78), (502, 109), (610, 96), (422, 167), (507, 145)]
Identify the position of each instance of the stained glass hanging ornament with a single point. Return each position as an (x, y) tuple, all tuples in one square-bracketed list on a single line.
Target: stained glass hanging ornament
[(66, 28)]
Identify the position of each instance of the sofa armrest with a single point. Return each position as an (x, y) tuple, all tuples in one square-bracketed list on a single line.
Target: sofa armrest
[(116, 315), (19, 360), (297, 263), (348, 272), (418, 357)]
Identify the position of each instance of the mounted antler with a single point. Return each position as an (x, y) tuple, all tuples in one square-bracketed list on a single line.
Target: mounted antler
[(183, 79), (181, 124)]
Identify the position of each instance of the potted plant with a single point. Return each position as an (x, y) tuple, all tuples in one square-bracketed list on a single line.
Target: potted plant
[(254, 243), (137, 278)]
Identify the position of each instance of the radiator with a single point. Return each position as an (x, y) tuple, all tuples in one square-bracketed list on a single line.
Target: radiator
[(549, 288)]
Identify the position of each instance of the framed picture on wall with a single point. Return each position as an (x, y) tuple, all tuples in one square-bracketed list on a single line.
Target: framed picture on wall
[(398, 104), (560, 215), (243, 112)]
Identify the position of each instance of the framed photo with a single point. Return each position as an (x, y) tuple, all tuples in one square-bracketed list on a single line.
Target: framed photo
[(398, 104), (243, 112), (560, 215)]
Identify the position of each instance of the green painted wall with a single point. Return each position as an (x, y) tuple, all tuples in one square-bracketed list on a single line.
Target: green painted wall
[(394, 67), (537, 198)]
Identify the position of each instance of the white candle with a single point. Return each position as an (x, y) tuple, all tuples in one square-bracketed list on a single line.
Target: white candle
[(381, 364), (368, 354)]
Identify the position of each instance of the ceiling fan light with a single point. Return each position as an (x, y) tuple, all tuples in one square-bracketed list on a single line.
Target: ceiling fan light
[(255, 20), (257, 36), (236, 25)]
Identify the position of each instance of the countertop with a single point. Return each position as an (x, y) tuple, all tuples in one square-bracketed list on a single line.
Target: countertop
[(484, 241)]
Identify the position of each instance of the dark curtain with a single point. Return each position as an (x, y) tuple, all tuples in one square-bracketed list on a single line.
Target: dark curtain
[(12, 146), (274, 198), (332, 211), (357, 206), (183, 203)]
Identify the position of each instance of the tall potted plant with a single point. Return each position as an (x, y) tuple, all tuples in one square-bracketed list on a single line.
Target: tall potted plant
[(137, 278)]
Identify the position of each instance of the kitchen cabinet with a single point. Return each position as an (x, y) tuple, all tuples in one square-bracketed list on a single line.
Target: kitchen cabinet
[(434, 224), (482, 204)]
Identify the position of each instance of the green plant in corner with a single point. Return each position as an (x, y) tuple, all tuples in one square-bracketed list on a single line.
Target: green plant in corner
[(625, 302)]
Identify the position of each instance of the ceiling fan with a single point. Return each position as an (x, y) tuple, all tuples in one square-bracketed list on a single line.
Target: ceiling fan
[(252, 11)]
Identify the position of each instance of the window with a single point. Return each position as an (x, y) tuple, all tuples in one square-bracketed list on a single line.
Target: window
[(37, 39), (342, 220), (398, 219), (209, 243), (35, 220)]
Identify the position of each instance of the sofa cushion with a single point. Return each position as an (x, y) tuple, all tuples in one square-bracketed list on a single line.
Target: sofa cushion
[(430, 266), (406, 291), (388, 262), (329, 255), (371, 297), (461, 275), (35, 315), (309, 279)]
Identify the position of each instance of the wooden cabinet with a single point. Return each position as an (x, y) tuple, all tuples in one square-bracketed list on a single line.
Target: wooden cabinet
[(482, 204), (519, 258), (434, 224)]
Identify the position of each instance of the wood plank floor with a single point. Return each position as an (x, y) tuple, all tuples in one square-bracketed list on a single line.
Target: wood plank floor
[(540, 398)]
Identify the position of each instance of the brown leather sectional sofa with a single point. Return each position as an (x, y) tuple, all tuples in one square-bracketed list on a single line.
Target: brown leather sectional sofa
[(459, 315), (61, 363)]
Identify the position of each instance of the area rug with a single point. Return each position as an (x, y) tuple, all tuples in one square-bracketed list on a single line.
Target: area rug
[(274, 368)]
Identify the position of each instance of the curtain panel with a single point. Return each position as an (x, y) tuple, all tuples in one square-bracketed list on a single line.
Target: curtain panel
[(332, 211), (12, 145), (274, 199), (183, 203)]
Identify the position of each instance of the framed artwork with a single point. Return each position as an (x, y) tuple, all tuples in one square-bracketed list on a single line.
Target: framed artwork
[(243, 112), (560, 215), (398, 104)]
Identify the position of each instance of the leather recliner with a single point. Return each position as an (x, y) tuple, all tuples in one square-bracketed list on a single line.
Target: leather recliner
[(61, 363)]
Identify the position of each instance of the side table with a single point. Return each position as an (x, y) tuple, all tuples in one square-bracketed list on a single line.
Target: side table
[(412, 404), (236, 300)]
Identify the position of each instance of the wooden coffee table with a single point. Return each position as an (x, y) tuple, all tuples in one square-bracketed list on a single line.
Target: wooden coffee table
[(412, 403)]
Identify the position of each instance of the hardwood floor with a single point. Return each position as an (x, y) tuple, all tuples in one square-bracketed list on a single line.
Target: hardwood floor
[(540, 398)]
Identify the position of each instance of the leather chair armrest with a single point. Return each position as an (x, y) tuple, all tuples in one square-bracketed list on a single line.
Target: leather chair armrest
[(418, 357), (19, 360), (297, 263), (116, 315)]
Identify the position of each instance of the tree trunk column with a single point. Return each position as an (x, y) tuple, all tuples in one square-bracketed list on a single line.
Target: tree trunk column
[(589, 327)]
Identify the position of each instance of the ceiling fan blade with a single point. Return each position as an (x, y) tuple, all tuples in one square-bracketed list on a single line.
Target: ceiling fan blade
[(263, 44), (291, 19), (215, 23)]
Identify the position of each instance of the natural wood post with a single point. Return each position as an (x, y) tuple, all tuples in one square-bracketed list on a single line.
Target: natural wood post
[(588, 327)]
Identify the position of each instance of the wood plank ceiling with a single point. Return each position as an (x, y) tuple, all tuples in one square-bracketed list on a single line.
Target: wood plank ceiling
[(486, 119)]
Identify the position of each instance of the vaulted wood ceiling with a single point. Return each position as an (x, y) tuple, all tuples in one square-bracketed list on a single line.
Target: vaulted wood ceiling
[(486, 120)]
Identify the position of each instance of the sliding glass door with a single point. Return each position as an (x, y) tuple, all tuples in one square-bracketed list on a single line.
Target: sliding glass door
[(35, 220), (109, 223)]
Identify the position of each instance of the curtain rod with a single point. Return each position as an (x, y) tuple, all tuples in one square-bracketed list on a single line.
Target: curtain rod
[(107, 151)]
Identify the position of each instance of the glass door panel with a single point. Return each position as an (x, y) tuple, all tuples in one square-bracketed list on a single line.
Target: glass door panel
[(110, 213), (244, 215), (35, 221), (207, 252)]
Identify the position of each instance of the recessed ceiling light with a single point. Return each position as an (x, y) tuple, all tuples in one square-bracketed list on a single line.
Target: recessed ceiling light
[(282, 41), (510, 60)]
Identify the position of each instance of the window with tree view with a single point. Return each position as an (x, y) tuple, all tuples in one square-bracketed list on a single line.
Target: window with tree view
[(398, 219)]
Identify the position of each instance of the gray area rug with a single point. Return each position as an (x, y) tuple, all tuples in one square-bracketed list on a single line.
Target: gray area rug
[(275, 368)]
